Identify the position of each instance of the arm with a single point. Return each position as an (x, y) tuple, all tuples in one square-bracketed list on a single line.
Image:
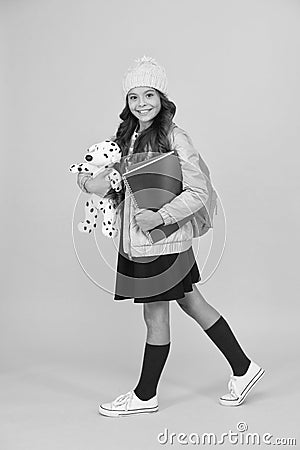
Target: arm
[(98, 185), (82, 178), (194, 194)]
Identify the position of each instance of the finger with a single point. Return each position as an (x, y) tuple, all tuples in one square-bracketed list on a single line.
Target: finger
[(103, 173), (140, 211), (107, 171)]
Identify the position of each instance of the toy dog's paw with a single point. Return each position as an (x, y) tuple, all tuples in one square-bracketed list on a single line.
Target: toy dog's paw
[(86, 226), (74, 168), (117, 187), (79, 168), (82, 168), (108, 229), (115, 180)]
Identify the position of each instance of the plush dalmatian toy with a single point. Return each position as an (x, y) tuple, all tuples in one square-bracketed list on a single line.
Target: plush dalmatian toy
[(98, 157)]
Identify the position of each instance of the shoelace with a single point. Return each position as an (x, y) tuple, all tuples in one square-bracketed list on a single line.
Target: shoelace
[(232, 386), (123, 398)]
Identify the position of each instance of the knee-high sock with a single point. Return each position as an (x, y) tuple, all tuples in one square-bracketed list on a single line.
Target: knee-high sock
[(220, 333), (155, 357)]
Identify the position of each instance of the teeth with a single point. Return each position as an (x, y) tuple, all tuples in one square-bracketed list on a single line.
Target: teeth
[(144, 112)]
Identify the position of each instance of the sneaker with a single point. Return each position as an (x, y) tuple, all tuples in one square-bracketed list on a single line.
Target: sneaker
[(128, 404), (240, 386)]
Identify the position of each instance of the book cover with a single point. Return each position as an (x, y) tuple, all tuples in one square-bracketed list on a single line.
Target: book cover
[(153, 183)]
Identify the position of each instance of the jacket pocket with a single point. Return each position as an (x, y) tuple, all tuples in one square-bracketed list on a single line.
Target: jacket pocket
[(139, 239)]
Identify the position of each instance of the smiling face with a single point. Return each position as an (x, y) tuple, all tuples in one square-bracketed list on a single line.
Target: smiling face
[(145, 104)]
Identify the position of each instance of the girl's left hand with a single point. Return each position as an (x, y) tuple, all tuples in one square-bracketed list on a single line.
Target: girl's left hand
[(147, 219)]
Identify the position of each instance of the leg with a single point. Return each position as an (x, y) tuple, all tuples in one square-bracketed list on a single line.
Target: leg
[(195, 305), (157, 320), (217, 329), (157, 347)]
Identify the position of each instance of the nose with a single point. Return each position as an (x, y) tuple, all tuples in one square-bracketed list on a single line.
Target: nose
[(142, 102), (89, 158)]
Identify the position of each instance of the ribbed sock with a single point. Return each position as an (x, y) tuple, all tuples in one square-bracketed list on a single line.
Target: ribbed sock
[(220, 333), (155, 357)]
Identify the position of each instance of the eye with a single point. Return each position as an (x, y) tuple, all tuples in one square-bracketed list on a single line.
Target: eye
[(132, 97), (150, 93)]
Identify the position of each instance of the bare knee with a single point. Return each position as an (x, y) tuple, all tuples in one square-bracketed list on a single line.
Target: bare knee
[(185, 304), (191, 300), (156, 314)]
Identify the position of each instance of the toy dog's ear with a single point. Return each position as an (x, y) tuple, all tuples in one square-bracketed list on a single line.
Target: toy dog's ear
[(116, 157)]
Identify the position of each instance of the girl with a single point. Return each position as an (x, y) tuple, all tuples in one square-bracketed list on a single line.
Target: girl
[(155, 274)]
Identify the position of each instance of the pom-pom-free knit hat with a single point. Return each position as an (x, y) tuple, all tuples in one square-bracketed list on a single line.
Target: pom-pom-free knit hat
[(146, 72)]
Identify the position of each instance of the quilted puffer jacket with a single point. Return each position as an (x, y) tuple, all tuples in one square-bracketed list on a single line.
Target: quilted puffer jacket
[(194, 195)]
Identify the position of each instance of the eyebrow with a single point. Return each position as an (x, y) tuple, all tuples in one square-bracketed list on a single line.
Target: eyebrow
[(148, 90)]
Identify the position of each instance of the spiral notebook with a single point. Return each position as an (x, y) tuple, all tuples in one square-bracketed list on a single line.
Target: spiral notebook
[(153, 183)]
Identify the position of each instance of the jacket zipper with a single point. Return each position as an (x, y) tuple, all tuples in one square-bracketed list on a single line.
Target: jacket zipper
[(133, 138), (129, 237)]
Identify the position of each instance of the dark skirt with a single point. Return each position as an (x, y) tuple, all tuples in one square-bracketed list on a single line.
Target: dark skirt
[(155, 278)]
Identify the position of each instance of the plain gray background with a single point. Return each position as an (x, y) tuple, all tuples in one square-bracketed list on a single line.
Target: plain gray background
[(233, 70)]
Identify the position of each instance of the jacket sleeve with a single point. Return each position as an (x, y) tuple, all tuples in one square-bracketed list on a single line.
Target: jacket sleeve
[(195, 193)]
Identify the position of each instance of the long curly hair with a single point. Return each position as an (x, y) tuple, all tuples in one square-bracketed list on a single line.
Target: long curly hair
[(154, 138)]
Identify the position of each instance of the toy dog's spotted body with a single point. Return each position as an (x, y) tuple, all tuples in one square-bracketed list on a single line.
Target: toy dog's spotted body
[(99, 157)]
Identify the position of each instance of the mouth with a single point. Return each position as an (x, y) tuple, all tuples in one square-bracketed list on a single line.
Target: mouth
[(144, 112)]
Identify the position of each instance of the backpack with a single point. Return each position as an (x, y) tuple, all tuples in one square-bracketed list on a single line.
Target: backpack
[(202, 220)]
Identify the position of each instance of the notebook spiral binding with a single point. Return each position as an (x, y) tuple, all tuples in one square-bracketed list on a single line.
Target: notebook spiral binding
[(136, 205)]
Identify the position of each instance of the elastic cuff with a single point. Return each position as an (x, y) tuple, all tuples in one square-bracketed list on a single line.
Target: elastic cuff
[(161, 217), (168, 219), (82, 184)]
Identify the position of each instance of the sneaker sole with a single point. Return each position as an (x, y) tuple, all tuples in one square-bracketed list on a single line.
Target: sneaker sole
[(109, 413), (246, 391)]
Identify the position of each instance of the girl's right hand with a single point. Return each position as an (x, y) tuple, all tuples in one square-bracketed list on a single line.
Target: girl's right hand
[(100, 184)]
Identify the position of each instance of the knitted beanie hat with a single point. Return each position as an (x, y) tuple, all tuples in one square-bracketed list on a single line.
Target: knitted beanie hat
[(146, 72)]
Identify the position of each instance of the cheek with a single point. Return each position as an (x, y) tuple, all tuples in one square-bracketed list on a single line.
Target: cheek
[(158, 102), (131, 106), (158, 106)]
